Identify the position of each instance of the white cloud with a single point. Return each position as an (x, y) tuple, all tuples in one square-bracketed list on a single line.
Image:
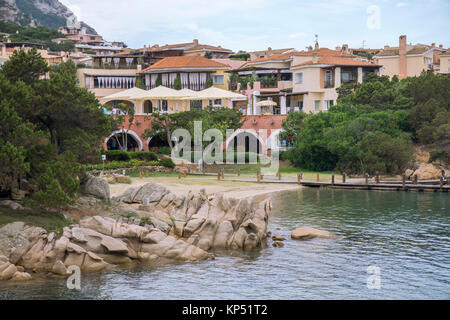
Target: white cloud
[(297, 35), (252, 24)]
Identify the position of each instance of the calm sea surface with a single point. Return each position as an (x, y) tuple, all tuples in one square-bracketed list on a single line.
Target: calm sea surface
[(405, 234)]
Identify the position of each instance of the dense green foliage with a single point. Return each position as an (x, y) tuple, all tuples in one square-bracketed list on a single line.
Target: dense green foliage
[(240, 56), (164, 150), (48, 128), (119, 155), (212, 118), (39, 35), (167, 162), (374, 125)]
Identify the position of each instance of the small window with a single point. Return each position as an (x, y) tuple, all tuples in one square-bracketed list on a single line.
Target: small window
[(164, 106), (218, 79), (317, 105), (299, 77), (300, 105), (196, 105)]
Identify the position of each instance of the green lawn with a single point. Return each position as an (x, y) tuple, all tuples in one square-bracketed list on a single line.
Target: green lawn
[(50, 221)]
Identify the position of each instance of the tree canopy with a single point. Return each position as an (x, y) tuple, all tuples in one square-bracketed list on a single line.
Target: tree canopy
[(374, 125), (49, 127)]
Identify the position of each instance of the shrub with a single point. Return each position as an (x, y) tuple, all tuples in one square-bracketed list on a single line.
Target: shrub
[(113, 165), (145, 156), (117, 155), (164, 150), (167, 162)]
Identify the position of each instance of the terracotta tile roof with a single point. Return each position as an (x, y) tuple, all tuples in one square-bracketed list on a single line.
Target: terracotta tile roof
[(322, 52), (185, 62), (207, 47), (394, 51), (170, 46), (275, 57), (274, 51), (337, 61), (233, 64)]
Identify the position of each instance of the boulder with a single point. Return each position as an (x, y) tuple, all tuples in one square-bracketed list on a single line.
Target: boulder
[(21, 276), (278, 238), (59, 268), (428, 171), (97, 187), (409, 173), (8, 271), (11, 204), (278, 244), (306, 233)]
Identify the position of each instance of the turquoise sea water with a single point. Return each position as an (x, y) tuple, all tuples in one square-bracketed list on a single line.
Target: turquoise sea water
[(406, 235)]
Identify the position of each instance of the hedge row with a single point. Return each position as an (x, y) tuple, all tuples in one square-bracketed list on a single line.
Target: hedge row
[(119, 155), (113, 165)]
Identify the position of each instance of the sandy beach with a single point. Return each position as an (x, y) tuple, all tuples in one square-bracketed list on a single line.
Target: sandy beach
[(210, 184)]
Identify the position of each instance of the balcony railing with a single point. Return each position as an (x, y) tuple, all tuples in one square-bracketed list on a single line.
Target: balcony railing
[(113, 67)]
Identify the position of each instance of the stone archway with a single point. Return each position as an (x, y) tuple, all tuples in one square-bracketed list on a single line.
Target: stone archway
[(245, 140), (114, 141)]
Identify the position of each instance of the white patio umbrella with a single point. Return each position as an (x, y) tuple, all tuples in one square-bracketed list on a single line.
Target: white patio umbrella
[(266, 103), (160, 93), (213, 93), (123, 95)]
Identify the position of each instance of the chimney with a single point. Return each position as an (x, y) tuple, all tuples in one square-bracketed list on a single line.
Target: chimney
[(402, 54), (269, 51), (344, 49), (315, 58), (441, 46), (145, 48), (310, 48), (316, 46), (433, 45), (195, 42)]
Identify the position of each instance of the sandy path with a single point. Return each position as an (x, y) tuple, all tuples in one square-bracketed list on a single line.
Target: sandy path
[(210, 184)]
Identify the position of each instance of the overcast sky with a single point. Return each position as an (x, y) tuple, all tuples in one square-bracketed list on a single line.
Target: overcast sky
[(257, 24)]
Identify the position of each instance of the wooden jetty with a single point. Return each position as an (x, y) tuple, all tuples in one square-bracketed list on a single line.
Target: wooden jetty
[(442, 185)]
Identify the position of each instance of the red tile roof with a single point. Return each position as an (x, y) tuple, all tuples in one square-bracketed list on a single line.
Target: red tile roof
[(337, 61), (233, 64), (207, 47), (322, 52), (185, 62)]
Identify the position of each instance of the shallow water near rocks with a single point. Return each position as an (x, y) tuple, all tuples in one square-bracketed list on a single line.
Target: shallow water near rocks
[(405, 234)]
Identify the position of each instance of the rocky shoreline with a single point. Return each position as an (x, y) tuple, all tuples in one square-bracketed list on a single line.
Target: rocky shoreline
[(147, 224)]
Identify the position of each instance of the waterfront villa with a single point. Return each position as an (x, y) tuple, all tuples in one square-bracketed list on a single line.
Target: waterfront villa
[(315, 81), (300, 80), (408, 60)]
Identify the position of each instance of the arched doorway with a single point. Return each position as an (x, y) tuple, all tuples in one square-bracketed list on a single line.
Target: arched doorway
[(245, 141), (126, 140), (148, 107)]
